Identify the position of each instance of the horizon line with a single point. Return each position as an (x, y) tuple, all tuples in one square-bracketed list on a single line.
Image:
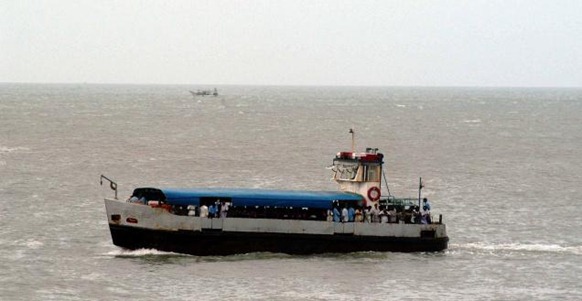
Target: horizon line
[(296, 85)]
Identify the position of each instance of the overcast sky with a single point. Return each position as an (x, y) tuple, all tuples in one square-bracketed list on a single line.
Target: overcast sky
[(379, 43)]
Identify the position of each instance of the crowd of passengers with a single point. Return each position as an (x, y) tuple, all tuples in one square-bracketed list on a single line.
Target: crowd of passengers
[(381, 214), (340, 213)]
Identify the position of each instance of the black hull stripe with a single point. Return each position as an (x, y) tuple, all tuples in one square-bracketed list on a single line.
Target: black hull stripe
[(203, 243)]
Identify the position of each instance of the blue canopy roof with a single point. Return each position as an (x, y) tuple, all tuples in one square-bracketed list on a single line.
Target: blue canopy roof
[(259, 197)]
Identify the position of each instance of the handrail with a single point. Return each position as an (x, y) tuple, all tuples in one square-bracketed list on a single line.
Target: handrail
[(112, 184)]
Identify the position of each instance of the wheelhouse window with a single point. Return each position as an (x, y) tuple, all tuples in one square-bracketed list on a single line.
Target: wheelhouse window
[(372, 173), (346, 171)]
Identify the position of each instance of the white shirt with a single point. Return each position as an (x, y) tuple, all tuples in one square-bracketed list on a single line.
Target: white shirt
[(203, 211), (344, 215), (191, 210)]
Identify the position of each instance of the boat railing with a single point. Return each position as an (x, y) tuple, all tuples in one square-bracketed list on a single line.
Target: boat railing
[(112, 184)]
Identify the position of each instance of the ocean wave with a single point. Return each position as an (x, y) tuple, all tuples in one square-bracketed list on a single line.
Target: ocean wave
[(26, 243), (504, 247), (33, 244), (5, 149), (13, 149), (472, 121)]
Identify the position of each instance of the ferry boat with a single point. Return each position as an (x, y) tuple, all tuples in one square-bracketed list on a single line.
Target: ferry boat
[(225, 221)]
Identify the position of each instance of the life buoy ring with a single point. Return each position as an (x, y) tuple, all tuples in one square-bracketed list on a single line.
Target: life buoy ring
[(374, 193)]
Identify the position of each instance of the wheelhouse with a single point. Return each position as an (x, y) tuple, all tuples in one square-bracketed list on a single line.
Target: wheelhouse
[(360, 173)]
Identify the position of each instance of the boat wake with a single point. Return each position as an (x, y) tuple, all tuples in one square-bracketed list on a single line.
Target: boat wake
[(517, 247), (141, 253), (153, 253)]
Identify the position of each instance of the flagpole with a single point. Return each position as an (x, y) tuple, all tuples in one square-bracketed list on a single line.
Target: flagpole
[(419, 190), (353, 140)]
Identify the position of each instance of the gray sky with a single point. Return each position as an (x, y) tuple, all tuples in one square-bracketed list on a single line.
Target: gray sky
[(383, 43)]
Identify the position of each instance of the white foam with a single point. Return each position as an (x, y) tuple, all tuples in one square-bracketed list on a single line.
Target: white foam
[(550, 248), (91, 276), (323, 295), (29, 243), (472, 121), (5, 149), (139, 252)]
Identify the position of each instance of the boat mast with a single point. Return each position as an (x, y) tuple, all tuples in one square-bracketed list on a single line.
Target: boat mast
[(353, 140)]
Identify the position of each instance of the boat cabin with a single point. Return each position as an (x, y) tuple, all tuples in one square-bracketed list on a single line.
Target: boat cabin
[(360, 173)]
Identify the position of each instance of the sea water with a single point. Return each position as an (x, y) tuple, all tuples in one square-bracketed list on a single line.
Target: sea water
[(502, 165)]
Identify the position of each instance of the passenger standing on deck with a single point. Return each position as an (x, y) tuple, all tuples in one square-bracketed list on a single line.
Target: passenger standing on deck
[(368, 214), (218, 208), (425, 205), (344, 215), (426, 211), (351, 214), (203, 211), (415, 215), (375, 212), (359, 217), (336, 215), (392, 215), (212, 211), (383, 216), (329, 214), (223, 209)]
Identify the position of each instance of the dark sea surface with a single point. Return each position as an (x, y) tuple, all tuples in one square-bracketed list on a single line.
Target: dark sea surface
[(503, 166)]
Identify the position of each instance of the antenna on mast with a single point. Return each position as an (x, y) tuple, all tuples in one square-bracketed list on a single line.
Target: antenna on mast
[(353, 140)]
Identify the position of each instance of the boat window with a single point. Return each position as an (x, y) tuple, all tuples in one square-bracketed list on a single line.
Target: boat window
[(149, 194), (208, 201), (346, 171), (298, 213), (372, 173)]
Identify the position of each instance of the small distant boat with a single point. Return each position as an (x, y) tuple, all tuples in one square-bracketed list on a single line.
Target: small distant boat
[(204, 92)]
